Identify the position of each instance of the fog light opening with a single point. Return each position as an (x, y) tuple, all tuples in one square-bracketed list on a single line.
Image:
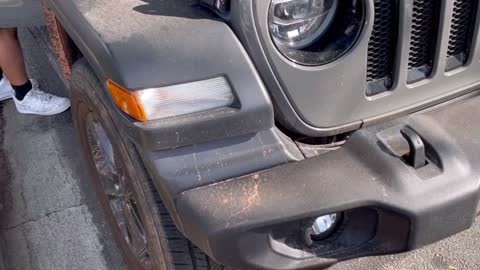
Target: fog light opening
[(322, 227)]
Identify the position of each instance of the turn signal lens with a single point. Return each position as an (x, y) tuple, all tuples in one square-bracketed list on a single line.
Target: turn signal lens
[(186, 98), (175, 100), (127, 101)]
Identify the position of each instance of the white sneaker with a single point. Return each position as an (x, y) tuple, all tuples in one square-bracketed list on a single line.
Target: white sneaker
[(41, 103), (6, 90)]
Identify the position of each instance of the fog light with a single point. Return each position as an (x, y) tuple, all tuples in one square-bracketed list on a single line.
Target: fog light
[(324, 224), (322, 227)]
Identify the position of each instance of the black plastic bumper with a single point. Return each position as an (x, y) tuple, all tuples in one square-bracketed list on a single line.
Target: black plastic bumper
[(256, 220)]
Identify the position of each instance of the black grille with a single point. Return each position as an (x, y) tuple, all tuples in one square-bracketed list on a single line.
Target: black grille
[(382, 47), (425, 25), (463, 23), (425, 20)]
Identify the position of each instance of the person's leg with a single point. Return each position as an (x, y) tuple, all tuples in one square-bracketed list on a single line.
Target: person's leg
[(28, 97), (12, 62)]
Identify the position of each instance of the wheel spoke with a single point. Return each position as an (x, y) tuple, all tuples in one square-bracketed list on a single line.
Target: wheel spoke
[(118, 191), (135, 229), (142, 253)]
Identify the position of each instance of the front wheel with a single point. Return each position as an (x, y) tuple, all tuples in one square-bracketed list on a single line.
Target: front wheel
[(142, 228)]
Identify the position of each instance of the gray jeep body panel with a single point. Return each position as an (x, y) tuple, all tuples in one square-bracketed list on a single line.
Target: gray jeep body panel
[(156, 43), (200, 163), (146, 45), (19, 13), (138, 49), (331, 99)]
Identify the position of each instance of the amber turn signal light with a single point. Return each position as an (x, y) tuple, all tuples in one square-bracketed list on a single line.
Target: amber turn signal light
[(128, 101)]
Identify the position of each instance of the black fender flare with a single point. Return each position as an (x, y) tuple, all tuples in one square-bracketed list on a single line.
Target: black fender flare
[(166, 43)]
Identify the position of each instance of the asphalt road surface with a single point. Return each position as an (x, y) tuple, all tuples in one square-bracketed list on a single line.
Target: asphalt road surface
[(49, 217), (50, 220)]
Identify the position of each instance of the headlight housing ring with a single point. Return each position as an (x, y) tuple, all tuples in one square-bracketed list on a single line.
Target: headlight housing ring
[(315, 32)]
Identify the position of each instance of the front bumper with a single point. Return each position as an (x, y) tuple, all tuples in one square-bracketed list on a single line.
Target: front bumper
[(390, 207)]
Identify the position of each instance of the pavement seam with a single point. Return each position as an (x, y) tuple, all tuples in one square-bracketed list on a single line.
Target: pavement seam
[(8, 228)]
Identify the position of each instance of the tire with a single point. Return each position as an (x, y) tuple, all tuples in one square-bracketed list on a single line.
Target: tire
[(166, 247)]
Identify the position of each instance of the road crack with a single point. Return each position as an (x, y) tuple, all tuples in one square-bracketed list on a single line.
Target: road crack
[(8, 228)]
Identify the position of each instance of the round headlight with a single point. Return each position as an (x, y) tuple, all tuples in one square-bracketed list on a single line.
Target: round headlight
[(315, 32), (299, 23)]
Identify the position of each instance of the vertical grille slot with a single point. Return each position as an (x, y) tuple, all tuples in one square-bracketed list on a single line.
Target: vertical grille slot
[(425, 23), (382, 47), (461, 33)]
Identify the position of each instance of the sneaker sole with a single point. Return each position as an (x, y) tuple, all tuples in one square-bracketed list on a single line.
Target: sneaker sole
[(59, 111), (5, 98)]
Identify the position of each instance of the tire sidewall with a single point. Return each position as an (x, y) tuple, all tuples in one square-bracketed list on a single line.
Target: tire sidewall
[(89, 98)]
